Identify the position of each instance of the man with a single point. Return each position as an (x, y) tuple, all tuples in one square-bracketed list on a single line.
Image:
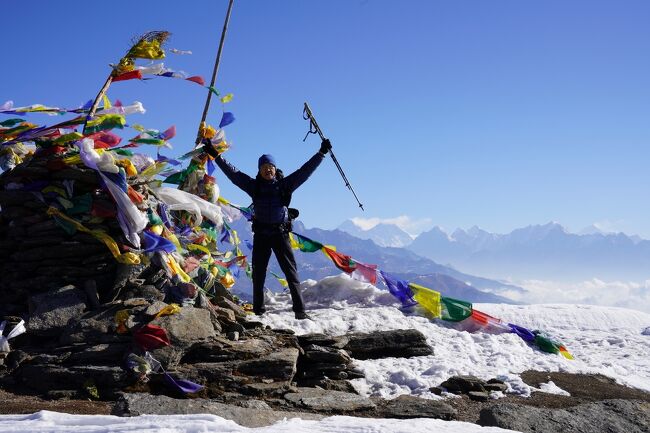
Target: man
[(271, 221)]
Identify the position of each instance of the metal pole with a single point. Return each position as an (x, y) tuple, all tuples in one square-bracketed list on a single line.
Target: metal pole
[(314, 128), (214, 72)]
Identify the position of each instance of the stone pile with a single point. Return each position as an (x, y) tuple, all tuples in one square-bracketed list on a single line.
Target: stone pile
[(36, 254)]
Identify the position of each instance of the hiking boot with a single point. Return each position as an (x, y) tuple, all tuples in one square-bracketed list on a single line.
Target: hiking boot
[(259, 312), (303, 316)]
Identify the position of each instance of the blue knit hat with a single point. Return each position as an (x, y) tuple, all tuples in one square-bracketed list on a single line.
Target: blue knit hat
[(266, 159)]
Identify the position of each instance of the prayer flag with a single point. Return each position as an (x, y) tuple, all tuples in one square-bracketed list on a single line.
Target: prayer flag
[(455, 310), (399, 288), (341, 261), (365, 273), (303, 243), (183, 385), (427, 298), (151, 337), (153, 242), (226, 119)]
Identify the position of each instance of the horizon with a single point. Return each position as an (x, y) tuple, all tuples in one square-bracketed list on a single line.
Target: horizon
[(464, 113), (370, 223)]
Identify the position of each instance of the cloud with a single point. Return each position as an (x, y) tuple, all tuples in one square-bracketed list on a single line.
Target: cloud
[(411, 226), (626, 294)]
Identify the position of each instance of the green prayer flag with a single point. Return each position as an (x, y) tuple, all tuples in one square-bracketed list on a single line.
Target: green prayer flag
[(11, 122), (455, 310)]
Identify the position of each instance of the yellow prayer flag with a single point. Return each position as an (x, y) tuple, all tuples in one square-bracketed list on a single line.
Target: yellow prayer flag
[(168, 310), (427, 298), (226, 98)]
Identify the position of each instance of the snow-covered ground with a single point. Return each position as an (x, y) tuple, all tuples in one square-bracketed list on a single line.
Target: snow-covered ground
[(612, 341), (53, 422), (607, 340)]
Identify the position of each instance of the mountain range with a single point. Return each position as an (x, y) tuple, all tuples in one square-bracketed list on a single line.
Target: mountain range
[(399, 262), (546, 252)]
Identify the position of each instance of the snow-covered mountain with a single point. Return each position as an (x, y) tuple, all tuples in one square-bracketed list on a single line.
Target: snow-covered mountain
[(545, 251), (384, 235), (399, 262)]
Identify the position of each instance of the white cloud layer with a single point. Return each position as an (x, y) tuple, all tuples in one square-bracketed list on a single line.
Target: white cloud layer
[(411, 226), (626, 294)]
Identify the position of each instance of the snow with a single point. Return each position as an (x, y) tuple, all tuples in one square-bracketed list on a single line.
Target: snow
[(551, 388), (606, 340), (53, 422)]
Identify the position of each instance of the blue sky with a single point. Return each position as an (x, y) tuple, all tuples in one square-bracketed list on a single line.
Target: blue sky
[(454, 113)]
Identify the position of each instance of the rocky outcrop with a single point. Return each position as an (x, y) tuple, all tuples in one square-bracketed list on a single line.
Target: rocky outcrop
[(402, 343), (614, 416), (255, 413)]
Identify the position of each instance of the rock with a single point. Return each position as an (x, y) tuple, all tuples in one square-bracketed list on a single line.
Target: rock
[(329, 384), (502, 387), (406, 406), (319, 354), (254, 415), (224, 302), (611, 416), (479, 395), (328, 401), (402, 343), (102, 354), (50, 312), (94, 327), (322, 340), (45, 378), (463, 384), (279, 364), (189, 326)]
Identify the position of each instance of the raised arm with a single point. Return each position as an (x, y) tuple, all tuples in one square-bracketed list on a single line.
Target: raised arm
[(241, 180), (298, 177)]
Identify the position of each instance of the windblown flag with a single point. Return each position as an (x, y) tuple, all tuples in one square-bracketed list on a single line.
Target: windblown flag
[(283, 282), (522, 332), (153, 242), (226, 119), (428, 299), (399, 288), (303, 243), (455, 310), (341, 261), (486, 321), (365, 273)]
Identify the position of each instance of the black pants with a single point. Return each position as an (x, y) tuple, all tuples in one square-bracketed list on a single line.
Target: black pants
[(277, 242)]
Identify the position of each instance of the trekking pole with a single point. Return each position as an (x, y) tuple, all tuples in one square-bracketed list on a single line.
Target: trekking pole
[(315, 129), (214, 73)]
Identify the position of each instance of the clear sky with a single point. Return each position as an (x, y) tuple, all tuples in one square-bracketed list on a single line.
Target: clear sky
[(454, 113)]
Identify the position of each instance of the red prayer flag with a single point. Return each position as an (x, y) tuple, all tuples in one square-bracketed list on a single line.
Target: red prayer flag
[(151, 337), (365, 273), (197, 79), (341, 261), (131, 75)]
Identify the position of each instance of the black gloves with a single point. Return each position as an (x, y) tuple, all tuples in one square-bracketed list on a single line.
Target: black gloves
[(325, 147), (209, 148)]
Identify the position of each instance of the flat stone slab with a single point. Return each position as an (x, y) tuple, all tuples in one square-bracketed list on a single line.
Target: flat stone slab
[(250, 416), (329, 401), (607, 416), (407, 406)]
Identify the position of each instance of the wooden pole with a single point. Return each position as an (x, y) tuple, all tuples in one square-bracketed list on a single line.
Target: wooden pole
[(214, 72), (99, 97)]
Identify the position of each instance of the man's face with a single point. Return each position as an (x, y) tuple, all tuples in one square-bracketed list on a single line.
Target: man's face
[(267, 171)]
